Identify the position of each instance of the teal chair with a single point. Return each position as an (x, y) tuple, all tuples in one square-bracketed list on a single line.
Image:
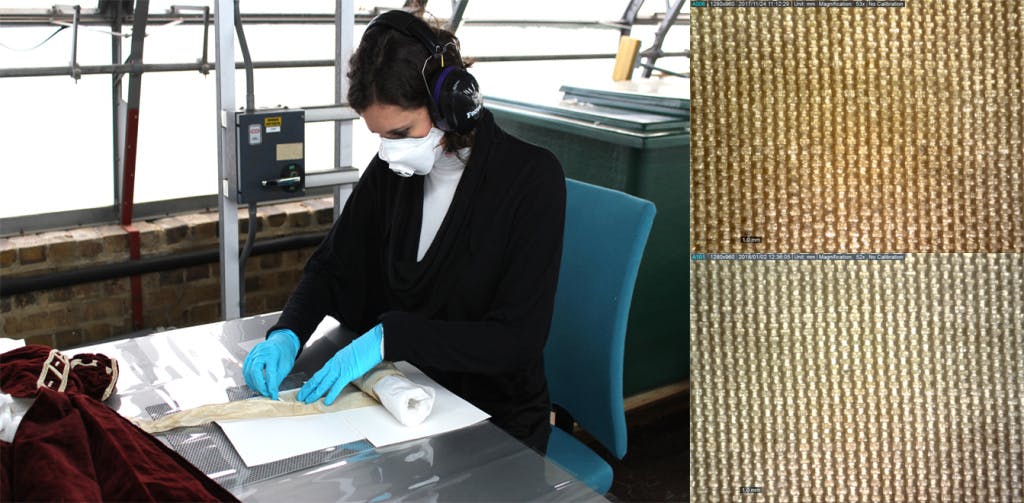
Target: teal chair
[(605, 235)]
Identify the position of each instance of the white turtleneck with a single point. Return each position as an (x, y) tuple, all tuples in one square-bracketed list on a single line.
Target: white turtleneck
[(438, 192)]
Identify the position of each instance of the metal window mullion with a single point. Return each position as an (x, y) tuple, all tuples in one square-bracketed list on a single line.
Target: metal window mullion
[(313, 63), (115, 106), (458, 9), (227, 161), (629, 17), (344, 25), (131, 128), (90, 18), (651, 55)]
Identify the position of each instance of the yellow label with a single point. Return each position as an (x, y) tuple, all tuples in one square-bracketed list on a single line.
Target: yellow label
[(272, 122)]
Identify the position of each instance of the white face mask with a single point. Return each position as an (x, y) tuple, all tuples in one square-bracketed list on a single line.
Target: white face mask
[(409, 156)]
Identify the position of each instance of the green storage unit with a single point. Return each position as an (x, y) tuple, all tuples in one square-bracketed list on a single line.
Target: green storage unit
[(649, 160)]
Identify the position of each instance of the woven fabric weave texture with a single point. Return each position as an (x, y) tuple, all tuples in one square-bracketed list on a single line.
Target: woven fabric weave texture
[(871, 381), (858, 129)]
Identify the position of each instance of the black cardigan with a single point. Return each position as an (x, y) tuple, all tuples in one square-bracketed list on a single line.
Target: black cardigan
[(474, 314)]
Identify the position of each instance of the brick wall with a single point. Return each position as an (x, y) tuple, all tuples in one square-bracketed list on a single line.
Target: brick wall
[(92, 312)]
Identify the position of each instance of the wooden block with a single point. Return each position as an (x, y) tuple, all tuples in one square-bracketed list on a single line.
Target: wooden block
[(624, 59)]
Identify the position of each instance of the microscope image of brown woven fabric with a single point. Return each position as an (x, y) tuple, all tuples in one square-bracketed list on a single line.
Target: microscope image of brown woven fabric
[(858, 129), (874, 381)]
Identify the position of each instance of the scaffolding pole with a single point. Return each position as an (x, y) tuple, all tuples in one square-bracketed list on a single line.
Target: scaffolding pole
[(227, 162)]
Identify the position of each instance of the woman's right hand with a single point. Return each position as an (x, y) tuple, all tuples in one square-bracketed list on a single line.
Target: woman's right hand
[(270, 361)]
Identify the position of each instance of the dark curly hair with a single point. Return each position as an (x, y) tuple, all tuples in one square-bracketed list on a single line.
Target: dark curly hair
[(385, 68)]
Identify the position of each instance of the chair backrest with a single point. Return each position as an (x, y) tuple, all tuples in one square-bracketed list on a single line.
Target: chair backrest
[(605, 235)]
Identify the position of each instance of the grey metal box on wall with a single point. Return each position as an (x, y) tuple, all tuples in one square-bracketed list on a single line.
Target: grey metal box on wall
[(271, 155)]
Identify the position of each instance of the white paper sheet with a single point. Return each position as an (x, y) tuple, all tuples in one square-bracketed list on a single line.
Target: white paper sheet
[(264, 440), (260, 441), (450, 412)]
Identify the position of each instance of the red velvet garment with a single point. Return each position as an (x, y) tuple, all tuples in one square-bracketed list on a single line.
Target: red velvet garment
[(72, 447), (25, 369)]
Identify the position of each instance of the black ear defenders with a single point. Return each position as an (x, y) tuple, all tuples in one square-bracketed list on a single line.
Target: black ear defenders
[(454, 95)]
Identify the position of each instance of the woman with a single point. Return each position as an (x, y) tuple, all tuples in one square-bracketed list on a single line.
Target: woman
[(447, 252)]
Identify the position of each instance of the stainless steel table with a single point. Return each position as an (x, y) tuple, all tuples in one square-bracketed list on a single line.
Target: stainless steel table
[(182, 368)]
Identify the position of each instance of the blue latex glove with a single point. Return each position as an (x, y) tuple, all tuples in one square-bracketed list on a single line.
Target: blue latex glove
[(270, 361), (350, 362)]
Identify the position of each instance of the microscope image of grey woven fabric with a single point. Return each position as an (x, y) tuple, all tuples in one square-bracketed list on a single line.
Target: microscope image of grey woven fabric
[(873, 381), (858, 129)]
